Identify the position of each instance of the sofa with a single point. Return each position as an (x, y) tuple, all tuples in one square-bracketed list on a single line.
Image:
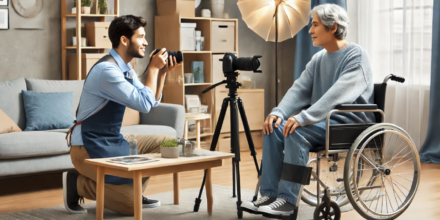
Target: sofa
[(32, 152)]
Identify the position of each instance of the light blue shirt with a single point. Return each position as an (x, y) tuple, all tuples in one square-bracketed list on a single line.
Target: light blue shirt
[(106, 82)]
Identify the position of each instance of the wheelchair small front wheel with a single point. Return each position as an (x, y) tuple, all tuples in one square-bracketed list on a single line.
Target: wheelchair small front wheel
[(322, 213), (386, 166)]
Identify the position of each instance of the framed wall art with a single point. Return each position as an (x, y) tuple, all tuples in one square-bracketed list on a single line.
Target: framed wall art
[(4, 2), (4, 19)]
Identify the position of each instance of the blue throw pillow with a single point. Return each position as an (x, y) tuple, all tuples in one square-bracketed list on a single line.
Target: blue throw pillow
[(48, 110)]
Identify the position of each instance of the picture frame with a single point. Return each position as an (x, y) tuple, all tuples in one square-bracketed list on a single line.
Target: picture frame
[(4, 19), (4, 2)]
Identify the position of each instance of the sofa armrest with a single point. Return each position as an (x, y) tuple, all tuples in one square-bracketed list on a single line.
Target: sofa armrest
[(166, 114)]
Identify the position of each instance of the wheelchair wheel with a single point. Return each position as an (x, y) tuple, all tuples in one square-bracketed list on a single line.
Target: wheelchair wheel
[(330, 177), (385, 163), (321, 212)]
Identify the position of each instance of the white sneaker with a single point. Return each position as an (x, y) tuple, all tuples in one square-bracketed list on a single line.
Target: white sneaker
[(253, 206), (278, 207)]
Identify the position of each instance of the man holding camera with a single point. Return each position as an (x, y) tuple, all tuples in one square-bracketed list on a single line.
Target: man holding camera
[(339, 74), (110, 87)]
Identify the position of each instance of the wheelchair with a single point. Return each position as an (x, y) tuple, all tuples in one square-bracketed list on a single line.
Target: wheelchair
[(375, 167)]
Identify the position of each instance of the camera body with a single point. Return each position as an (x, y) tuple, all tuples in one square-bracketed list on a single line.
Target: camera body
[(177, 54), (231, 63)]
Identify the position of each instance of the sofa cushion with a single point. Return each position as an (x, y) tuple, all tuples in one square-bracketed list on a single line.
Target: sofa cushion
[(6, 124), (48, 110), (148, 129), (75, 86), (32, 144), (131, 117), (11, 101)]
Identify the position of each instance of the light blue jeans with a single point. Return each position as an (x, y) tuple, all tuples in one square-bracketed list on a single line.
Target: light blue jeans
[(293, 149)]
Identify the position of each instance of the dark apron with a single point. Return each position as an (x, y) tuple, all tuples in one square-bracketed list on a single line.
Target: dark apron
[(101, 132)]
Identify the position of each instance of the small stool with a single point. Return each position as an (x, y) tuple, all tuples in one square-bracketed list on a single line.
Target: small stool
[(197, 117)]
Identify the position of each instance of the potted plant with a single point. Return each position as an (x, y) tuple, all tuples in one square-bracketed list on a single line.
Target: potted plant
[(85, 6), (74, 7), (169, 149), (102, 5)]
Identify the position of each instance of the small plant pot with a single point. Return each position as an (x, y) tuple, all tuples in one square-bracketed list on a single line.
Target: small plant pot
[(85, 10), (169, 152), (74, 41)]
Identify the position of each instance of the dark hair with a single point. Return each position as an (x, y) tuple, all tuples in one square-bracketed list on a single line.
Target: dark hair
[(124, 26)]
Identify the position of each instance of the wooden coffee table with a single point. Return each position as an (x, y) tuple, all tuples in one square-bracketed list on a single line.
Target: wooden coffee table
[(163, 166)]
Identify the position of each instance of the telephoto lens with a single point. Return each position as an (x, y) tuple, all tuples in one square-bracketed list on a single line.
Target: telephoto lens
[(177, 54)]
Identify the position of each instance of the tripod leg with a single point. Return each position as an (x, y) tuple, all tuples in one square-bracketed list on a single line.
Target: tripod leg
[(233, 179), (239, 209), (235, 146), (213, 145), (247, 130)]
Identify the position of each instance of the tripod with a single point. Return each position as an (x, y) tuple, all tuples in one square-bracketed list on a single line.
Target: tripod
[(233, 101)]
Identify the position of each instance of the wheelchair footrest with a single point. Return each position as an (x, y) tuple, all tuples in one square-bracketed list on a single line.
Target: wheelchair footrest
[(283, 217)]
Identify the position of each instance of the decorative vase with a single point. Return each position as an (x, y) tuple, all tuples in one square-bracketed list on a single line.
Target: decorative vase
[(74, 41), (217, 8), (169, 152)]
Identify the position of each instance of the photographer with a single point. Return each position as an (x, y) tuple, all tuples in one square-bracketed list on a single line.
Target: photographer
[(110, 87), (339, 74)]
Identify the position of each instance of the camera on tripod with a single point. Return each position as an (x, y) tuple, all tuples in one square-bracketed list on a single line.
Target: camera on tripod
[(231, 63)]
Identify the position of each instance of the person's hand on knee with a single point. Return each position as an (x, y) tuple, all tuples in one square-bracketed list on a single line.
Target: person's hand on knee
[(267, 126), (290, 126)]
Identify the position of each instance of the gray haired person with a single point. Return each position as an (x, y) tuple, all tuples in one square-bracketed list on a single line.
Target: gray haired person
[(339, 74)]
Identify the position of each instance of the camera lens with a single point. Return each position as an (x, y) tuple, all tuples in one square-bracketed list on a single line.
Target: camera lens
[(246, 64), (177, 54)]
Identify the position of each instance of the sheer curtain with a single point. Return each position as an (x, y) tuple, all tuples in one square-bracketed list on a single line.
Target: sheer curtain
[(397, 35)]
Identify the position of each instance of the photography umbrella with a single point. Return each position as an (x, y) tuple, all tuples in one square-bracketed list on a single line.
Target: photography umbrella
[(275, 20)]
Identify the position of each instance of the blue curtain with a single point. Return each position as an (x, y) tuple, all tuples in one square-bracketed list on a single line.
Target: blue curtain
[(430, 152), (304, 45)]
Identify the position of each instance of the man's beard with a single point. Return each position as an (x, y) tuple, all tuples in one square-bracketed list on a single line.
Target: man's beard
[(133, 52)]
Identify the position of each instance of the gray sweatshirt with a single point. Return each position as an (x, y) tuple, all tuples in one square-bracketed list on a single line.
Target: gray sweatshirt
[(341, 77)]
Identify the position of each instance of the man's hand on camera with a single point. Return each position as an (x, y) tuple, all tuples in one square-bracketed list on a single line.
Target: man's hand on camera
[(290, 126), (159, 60), (267, 126), (170, 65)]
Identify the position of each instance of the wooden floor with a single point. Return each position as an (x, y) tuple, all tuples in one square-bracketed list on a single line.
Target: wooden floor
[(43, 191)]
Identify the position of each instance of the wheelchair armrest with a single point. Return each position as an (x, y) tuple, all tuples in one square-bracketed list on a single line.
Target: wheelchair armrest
[(356, 106)]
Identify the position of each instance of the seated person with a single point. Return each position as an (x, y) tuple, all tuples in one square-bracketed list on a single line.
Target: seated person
[(339, 74), (110, 87)]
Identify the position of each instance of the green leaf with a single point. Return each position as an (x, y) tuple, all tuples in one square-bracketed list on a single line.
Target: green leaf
[(169, 143)]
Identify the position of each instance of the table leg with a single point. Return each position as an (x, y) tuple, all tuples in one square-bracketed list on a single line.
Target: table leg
[(100, 193), (198, 134), (137, 194), (176, 188), (208, 185), (185, 131)]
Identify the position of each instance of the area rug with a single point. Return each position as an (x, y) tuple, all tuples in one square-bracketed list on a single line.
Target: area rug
[(224, 208)]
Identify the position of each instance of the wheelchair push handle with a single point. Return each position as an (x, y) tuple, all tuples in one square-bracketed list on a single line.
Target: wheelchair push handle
[(394, 78), (397, 78)]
